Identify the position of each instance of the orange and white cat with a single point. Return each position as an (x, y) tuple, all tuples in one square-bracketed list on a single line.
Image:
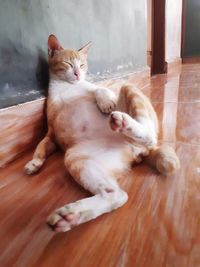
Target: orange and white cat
[(101, 134)]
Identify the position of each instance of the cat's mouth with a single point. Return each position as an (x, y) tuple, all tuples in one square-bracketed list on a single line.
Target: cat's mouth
[(73, 78), (74, 81)]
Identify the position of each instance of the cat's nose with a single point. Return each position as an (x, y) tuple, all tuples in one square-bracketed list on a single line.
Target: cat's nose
[(77, 74)]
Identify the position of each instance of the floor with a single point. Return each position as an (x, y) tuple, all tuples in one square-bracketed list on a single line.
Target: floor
[(158, 227)]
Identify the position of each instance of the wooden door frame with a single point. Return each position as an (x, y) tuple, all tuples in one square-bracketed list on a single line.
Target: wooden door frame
[(158, 18), (183, 27)]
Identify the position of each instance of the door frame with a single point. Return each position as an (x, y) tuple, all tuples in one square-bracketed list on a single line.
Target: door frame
[(183, 27), (157, 10)]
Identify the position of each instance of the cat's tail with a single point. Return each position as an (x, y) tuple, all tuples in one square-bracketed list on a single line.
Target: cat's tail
[(164, 159)]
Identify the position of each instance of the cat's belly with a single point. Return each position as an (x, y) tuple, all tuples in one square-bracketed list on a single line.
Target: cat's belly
[(81, 120)]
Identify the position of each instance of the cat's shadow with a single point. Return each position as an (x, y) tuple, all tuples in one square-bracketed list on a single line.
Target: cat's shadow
[(42, 72)]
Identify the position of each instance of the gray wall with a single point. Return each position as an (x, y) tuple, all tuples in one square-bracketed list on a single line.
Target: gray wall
[(192, 32), (117, 29)]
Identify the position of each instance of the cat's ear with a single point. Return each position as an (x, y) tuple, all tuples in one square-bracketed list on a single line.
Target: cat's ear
[(85, 48), (53, 45)]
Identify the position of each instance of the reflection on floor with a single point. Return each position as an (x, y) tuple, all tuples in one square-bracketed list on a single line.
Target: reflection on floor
[(160, 224)]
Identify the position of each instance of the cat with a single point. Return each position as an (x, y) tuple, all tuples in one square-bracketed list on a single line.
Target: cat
[(100, 133)]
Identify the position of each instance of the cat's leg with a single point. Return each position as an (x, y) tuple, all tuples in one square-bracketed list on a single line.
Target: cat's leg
[(139, 122), (135, 117), (87, 209), (43, 150), (140, 130), (106, 100), (107, 194)]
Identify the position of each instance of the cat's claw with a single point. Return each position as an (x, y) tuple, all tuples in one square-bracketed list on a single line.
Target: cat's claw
[(33, 166)]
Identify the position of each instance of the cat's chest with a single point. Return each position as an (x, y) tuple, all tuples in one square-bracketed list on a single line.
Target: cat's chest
[(76, 114), (62, 93)]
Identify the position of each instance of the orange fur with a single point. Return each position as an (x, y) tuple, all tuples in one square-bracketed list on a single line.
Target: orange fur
[(98, 146), (68, 140), (135, 103), (132, 101), (164, 159)]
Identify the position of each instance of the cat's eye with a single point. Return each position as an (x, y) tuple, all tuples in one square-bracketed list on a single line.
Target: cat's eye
[(82, 65), (68, 63)]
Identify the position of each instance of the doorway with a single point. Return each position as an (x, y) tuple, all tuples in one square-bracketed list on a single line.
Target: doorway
[(156, 36)]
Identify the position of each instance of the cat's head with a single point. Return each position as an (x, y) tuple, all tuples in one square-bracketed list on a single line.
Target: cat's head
[(65, 64)]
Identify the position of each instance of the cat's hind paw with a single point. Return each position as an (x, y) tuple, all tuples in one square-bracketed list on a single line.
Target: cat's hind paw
[(119, 121), (68, 216), (63, 219), (33, 166)]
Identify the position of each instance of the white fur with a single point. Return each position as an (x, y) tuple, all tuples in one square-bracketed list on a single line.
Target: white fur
[(85, 114), (141, 130), (99, 142), (63, 91), (79, 119), (88, 208), (33, 166), (106, 99), (102, 147)]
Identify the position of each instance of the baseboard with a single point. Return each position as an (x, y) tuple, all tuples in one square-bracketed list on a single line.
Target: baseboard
[(191, 60), (21, 128), (144, 73), (174, 64), (140, 78)]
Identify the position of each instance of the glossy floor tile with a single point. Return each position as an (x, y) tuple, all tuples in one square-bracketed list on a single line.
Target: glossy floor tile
[(160, 224)]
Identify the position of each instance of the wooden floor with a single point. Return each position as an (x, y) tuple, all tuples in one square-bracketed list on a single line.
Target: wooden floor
[(160, 224)]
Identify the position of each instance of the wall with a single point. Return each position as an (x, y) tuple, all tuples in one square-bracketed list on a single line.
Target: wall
[(192, 29), (173, 30), (149, 32), (116, 28)]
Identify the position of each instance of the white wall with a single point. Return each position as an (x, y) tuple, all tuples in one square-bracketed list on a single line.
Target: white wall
[(173, 29), (149, 31)]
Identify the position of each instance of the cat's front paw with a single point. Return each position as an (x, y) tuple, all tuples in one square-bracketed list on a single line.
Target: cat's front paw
[(106, 106), (106, 100), (119, 121), (33, 166)]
